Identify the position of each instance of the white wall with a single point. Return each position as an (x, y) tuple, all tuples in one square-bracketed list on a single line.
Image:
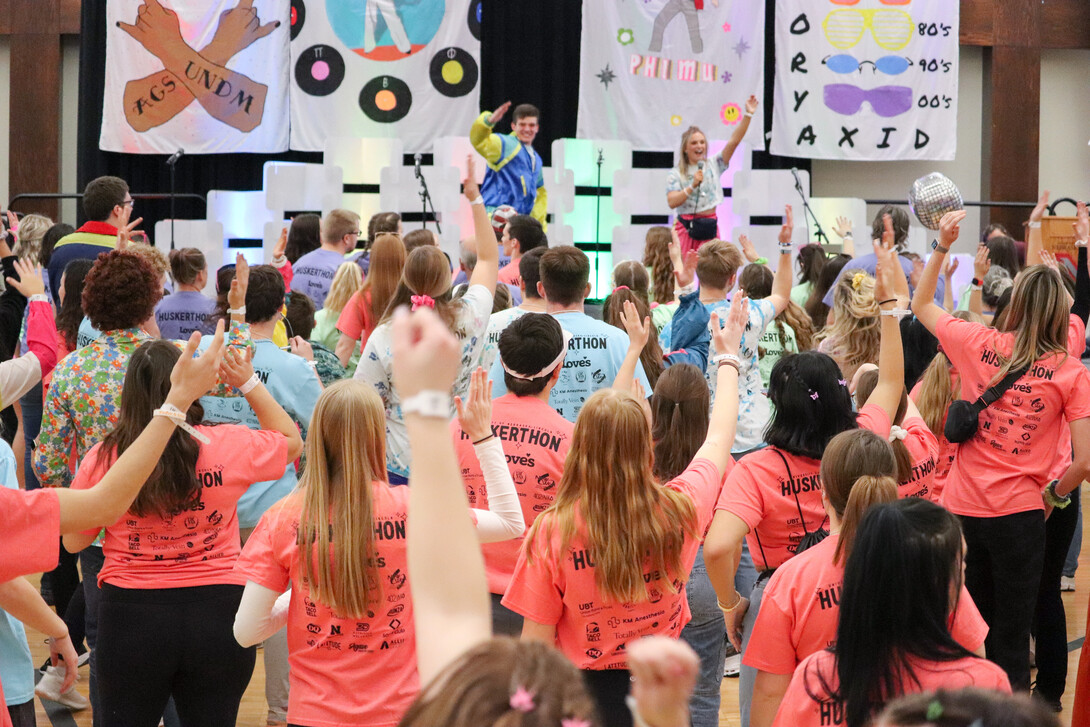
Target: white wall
[(891, 180), (5, 111), (1065, 125)]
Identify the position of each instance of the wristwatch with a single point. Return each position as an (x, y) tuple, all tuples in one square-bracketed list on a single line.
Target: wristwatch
[(939, 248)]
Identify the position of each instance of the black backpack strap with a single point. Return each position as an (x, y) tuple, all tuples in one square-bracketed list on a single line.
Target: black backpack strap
[(992, 395), (786, 466)]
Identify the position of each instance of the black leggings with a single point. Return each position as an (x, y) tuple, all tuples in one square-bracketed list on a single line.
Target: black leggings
[(608, 688), (1050, 625), (154, 644)]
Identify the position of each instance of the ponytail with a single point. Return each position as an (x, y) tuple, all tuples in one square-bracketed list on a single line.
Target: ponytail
[(901, 454), (936, 392), (867, 491)]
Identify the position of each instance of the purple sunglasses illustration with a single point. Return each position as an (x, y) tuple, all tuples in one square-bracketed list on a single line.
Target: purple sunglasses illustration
[(887, 101)]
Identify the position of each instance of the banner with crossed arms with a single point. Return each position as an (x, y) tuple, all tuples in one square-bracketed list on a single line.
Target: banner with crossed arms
[(209, 76)]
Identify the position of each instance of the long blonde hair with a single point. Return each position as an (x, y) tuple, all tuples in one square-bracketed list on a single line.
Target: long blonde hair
[(683, 159), (32, 229), (854, 335), (347, 280), (628, 518), (1038, 314), (345, 455), (938, 384)]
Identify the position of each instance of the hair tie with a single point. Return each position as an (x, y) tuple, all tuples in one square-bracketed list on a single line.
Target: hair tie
[(422, 301), (857, 280), (621, 287), (895, 433), (574, 722), (934, 711), (522, 700)]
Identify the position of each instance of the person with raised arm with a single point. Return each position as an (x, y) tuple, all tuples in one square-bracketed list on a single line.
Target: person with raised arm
[(515, 174), (1004, 478)]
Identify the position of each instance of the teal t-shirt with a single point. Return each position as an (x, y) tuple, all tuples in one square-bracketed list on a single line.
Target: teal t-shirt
[(16, 666)]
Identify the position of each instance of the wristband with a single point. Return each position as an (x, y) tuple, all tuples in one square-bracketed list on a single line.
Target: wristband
[(786, 249), (38, 298), (428, 403), (939, 248), (482, 441), (177, 416), (236, 311), (727, 358), (249, 385), (748, 115), (976, 286), (1054, 500), (897, 313), (278, 262), (478, 200), (1035, 225)]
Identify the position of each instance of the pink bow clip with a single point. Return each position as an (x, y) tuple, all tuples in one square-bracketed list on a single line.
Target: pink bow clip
[(422, 301), (522, 700)]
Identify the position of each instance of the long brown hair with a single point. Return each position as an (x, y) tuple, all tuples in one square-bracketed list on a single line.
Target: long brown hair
[(173, 485), (856, 473), (1038, 314), (656, 256), (427, 272), (384, 273), (679, 419), (345, 456), (757, 281), (628, 518), (651, 355), (475, 691), (863, 389)]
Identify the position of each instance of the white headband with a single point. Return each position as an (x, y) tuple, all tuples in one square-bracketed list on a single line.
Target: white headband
[(548, 369)]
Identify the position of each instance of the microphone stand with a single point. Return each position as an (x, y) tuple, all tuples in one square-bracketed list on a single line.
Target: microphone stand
[(172, 163), (808, 214), (425, 200), (598, 216)]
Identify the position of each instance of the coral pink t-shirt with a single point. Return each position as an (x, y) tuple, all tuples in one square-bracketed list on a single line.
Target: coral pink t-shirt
[(923, 447), (759, 492), (798, 709), (355, 320), (1003, 467), (801, 606), (535, 441), (344, 671), (944, 458), (197, 546), (592, 631), (509, 273)]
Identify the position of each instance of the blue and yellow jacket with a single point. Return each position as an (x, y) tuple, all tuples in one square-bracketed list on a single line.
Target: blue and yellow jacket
[(514, 173)]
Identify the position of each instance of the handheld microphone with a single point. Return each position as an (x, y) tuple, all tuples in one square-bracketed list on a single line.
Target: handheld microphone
[(175, 157), (416, 166)]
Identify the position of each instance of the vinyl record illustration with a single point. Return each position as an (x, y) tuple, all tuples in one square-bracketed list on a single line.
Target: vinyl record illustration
[(474, 18), (386, 99), (453, 72), (298, 17), (319, 70)]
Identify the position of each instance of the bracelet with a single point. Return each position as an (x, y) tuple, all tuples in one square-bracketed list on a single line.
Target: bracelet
[(177, 416), (976, 286), (477, 200), (689, 191), (278, 261), (1054, 500), (727, 357), (748, 115), (786, 249), (897, 312), (1035, 225), (237, 311), (428, 403), (249, 385), (482, 441), (731, 364), (38, 298), (888, 300), (732, 609)]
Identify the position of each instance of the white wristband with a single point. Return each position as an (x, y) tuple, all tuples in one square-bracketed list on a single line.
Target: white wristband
[(477, 200), (240, 311), (726, 357), (249, 385), (748, 115), (177, 416), (897, 313), (429, 403), (38, 298), (1035, 225)]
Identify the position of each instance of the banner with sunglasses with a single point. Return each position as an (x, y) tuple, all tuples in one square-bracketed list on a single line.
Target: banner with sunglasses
[(650, 69), (866, 79)]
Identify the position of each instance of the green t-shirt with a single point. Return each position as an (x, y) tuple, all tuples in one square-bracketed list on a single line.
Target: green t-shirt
[(771, 349)]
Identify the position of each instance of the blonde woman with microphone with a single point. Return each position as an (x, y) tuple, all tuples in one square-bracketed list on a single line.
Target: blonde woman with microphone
[(693, 188)]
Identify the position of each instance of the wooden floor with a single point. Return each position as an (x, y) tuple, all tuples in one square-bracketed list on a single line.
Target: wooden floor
[(253, 710)]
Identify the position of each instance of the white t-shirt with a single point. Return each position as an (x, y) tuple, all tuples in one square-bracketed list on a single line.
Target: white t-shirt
[(705, 197), (376, 368), (497, 324)]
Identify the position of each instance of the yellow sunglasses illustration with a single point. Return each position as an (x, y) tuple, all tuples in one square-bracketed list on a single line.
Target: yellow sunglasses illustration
[(892, 29)]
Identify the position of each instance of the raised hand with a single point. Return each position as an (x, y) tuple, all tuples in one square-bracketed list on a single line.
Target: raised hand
[(788, 226), (475, 411), (981, 262), (950, 227), (1082, 224), (30, 280), (728, 337), (236, 296), (281, 244), (638, 332), (1048, 259), (237, 367), (751, 105), (158, 30), (192, 377), (843, 227), (664, 673), (469, 184), (1039, 211), (125, 229), (499, 113), (748, 249), (427, 356), (949, 267)]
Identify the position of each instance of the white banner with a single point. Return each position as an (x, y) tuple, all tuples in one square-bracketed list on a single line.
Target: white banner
[(871, 81), (651, 68), (384, 68), (207, 76)]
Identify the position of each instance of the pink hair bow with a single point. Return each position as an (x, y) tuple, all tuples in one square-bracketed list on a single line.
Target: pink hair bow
[(522, 700), (422, 301)]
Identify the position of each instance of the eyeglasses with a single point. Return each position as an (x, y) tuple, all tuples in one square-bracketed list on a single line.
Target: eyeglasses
[(892, 29), (886, 101), (890, 65), (127, 203)]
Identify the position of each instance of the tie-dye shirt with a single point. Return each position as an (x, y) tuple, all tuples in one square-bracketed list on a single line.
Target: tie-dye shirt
[(376, 366)]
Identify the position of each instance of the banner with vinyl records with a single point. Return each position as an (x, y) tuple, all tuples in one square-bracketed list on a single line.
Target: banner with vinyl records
[(649, 69), (871, 80), (384, 68), (206, 76)]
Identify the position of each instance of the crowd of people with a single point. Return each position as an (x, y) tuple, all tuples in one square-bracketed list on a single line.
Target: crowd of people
[(454, 493)]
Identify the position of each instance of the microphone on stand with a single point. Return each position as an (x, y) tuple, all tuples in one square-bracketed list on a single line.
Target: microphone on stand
[(175, 157), (416, 166)]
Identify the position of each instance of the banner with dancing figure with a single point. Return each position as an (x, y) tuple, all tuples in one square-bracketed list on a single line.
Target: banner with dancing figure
[(653, 68), (207, 76), (384, 68), (874, 80)]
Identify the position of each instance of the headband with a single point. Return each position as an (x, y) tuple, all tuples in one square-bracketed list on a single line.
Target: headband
[(549, 368)]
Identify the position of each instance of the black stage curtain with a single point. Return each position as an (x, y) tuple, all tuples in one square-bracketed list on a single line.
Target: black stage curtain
[(529, 54)]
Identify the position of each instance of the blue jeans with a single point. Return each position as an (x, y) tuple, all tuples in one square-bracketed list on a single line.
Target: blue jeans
[(1071, 564), (90, 561), (749, 675), (707, 634)]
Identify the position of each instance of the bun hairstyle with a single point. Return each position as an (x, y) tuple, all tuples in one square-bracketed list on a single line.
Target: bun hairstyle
[(856, 473), (186, 264)]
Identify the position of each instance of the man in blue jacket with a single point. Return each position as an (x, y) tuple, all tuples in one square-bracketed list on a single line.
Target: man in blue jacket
[(514, 175)]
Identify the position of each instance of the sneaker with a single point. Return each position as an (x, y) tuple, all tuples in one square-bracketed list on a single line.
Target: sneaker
[(49, 687), (732, 667), (1052, 704), (1067, 584)]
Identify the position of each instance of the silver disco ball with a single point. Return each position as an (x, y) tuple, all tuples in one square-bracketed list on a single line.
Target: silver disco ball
[(933, 196)]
